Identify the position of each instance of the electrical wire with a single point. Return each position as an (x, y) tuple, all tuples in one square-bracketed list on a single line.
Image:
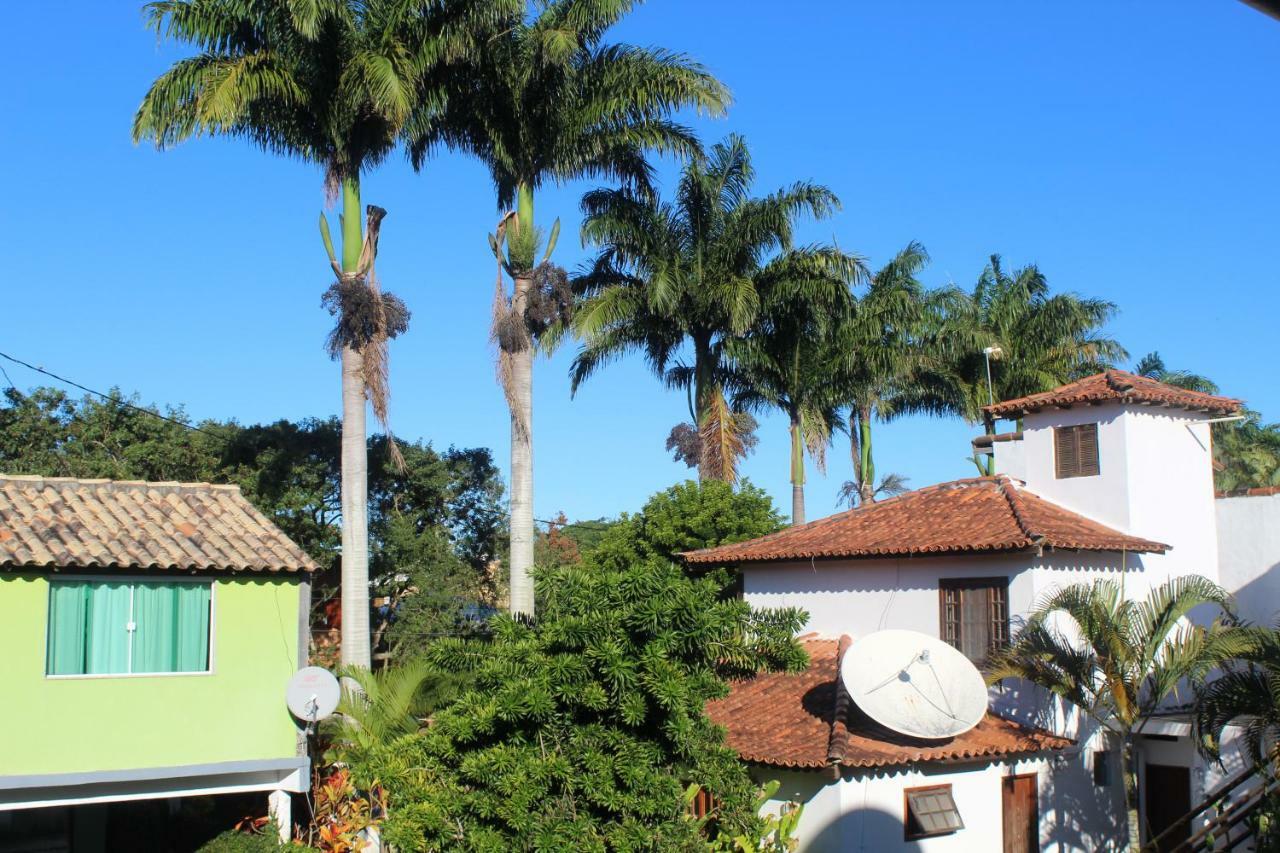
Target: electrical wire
[(108, 397), (589, 525)]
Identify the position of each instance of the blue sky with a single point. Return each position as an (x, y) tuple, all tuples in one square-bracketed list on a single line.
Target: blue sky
[(1129, 149)]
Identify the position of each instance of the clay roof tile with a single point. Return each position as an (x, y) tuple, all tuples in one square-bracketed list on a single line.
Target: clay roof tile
[(60, 522)]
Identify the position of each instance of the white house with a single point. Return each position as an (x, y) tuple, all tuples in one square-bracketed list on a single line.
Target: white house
[(1107, 477)]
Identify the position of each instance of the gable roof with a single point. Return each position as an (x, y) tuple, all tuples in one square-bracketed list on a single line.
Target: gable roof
[(1115, 386), (981, 514), (60, 522), (806, 720)]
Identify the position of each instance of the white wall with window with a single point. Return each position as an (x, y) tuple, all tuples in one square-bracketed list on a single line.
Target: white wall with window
[(102, 626)]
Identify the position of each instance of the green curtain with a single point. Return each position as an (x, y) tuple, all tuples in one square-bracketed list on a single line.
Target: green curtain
[(107, 632), (172, 627), (68, 606)]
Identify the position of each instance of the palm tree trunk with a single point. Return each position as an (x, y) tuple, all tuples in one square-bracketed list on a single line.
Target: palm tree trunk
[(1131, 794), (355, 464), (868, 484), (855, 448), (702, 389), (521, 396), (797, 471)]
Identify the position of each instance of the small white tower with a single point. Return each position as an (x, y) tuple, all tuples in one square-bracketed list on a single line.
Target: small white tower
[(1128, 451)]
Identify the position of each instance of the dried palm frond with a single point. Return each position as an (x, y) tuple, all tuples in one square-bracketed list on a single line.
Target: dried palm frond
[(367, 319), (724, 438)]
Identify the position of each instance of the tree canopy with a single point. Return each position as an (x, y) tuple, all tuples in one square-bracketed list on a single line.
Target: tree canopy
[(434, 525), (583, 729)]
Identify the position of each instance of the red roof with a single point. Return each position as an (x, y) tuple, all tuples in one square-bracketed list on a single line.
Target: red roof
[(984, 514), (1255, 492), (1115, 386), (806, 720)]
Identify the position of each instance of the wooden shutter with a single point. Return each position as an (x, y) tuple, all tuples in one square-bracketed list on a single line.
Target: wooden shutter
[(1087, 449), (1075, 450)]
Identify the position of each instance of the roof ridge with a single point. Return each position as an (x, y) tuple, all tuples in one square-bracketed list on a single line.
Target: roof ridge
[(1009, 491), (838, 739), (962, 483), (106, 481)]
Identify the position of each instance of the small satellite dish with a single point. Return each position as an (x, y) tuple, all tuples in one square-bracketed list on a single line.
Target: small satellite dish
[(914, 684), (312, 694)]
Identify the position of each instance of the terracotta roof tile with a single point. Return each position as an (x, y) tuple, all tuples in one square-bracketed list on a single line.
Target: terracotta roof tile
[(60, 522), (1118, 386), (807, 721), (980, 514), (1255, 492)]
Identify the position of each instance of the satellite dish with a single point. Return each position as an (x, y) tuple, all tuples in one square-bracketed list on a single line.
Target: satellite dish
[(914, 684), (312, 694)]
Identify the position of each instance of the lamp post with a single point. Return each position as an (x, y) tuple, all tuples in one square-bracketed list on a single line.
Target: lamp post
[(989, 353)]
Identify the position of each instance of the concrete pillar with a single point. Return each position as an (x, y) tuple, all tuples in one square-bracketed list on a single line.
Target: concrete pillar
[(280, 807)]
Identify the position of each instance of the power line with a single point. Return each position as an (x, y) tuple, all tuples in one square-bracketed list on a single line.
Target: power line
[(590, 525), (108, 397)]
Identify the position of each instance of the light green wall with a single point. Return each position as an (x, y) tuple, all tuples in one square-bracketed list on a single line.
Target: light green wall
[(68, 725)]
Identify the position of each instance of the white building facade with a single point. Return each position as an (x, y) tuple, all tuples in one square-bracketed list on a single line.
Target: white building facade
[(1110, 477)]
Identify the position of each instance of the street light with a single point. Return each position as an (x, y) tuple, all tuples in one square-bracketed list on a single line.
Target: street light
[(991, 352)]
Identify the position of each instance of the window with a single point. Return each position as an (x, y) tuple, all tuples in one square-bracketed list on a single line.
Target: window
[(1075, 450), (930, 811), (108, 627), (1101, 768), (975, 615)]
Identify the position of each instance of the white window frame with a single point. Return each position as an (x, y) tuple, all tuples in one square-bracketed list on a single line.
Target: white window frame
[(132, 579)]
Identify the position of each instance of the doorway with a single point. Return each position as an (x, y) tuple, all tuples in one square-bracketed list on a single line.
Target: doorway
[(1167, 800), (1021, 814)]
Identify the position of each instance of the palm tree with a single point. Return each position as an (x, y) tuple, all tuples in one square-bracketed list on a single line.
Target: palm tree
[(890, 485), (376, 708), (1119, 660), (332, 84), (687, 272), (1247, 693), (550, 101), (1042, 340), (1152, 365), (787, 357), (893, 359)]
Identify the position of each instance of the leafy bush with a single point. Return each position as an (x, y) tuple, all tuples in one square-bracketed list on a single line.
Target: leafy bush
[(685, 517), (583, 731)]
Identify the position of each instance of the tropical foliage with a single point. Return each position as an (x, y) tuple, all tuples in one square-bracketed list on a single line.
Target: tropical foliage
[(892, 356), (1045, 339), (786, 359), (685, 517), (690, 272), (435, 525), (332, 84), (1246, 694), (583, 730), (1118, 659), (548, 99)]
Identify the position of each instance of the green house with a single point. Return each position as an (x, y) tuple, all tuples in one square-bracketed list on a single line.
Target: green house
[(148, 633)]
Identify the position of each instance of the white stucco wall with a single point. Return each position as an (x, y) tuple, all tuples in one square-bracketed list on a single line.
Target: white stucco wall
[(863, 813), (857, 597), (1155, 480), (1249, 554)]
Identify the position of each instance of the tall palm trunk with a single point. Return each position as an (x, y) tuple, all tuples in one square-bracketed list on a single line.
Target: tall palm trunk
[(797, 470), (1130, 761), (867, 485), (520, 395), (703, 388), (355, 463)]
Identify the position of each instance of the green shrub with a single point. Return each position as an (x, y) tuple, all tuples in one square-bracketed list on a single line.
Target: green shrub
[(584, 730)]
